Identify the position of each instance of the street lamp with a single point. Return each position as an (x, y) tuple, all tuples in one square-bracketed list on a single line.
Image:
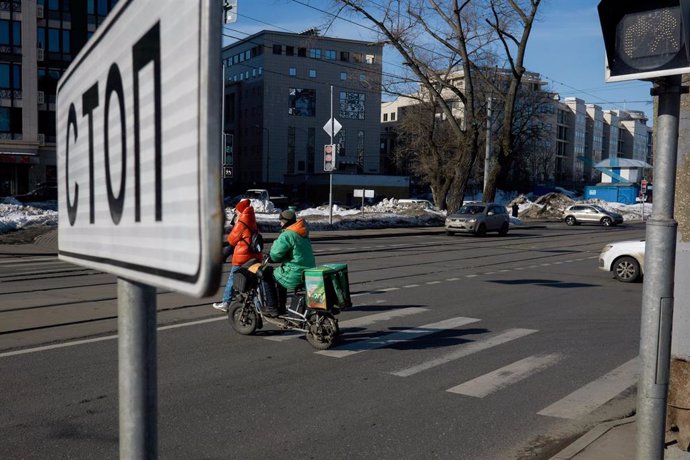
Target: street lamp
[(268, 148)]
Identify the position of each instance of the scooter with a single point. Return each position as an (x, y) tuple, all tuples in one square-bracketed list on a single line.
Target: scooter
[(249, 308)]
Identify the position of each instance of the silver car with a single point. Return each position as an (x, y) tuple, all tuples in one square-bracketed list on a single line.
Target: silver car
[(591, 213), (479, 218)]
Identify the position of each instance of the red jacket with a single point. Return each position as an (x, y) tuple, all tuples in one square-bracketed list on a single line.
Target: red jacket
[(241, 235)]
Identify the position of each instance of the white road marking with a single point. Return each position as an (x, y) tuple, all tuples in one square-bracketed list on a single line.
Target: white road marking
[(101, 339), (389, 289), (503, 271), (452, 279), (411, 286), (586, 399), (471, 276), (466, 349), (500, 378), (433, 282), (362, 321), (397, 337)]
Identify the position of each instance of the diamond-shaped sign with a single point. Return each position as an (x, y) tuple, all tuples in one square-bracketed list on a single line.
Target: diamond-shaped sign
[(332, 123)]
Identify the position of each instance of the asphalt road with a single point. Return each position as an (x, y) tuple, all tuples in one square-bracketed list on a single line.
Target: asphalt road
[(456, 347)]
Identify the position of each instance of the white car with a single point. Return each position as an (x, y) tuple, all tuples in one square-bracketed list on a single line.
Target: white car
[(625, 259)]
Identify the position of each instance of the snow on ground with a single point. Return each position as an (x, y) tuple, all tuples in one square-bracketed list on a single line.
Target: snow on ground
[(14, 215), (386, 214)]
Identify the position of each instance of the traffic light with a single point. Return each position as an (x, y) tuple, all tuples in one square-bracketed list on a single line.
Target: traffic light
[(329, 151), (645, 39), (228, 149)]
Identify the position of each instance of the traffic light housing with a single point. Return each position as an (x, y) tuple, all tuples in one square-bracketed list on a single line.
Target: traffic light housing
[(228, 151), (329, 153), (645, 39)]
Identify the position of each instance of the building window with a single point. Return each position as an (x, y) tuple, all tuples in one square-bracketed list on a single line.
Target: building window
[(392, 116), (329, 54), (277, 49), (10, 121), (340, 140), (289, 50), (300, 165), (360, 148), (54, 40), (344, 56), (357, 57), (302, 102), (302, 52), (291, 150), (311, 149), (247, 55), (352, 105), (292, 71), (10, 76), (261, 70), (312, 73), (385, 117), (369, 58), (315, 53)]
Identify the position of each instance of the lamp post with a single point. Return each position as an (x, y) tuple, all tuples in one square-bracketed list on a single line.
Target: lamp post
[(268, 148)]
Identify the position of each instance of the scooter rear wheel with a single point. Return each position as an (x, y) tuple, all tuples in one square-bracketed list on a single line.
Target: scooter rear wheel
[(322, 329), (243, 318)]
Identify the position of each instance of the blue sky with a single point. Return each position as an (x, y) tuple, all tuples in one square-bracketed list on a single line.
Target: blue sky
[(565, 47)]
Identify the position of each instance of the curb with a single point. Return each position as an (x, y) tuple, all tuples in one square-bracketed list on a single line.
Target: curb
[(590, 438)]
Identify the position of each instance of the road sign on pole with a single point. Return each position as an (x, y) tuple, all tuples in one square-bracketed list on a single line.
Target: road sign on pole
[(332, 123), (138, 117)]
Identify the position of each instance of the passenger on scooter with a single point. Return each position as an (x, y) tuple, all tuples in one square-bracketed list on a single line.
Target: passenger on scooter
[(292, 249), (244, 226)]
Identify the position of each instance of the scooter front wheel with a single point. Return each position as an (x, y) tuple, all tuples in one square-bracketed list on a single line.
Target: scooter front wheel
[(243, 319), (322, 329)]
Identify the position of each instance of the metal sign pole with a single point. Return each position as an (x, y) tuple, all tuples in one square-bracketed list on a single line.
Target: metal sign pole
[(136, 324), (657, 290), (330, 173)]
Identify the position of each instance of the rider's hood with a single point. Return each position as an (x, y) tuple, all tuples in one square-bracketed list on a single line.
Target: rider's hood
[(299, 227)]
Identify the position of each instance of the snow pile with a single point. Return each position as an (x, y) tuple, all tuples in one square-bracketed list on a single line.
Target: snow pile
[(388, 213), (14, 215)]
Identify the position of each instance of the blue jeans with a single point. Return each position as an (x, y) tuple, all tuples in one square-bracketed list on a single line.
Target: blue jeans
[(228, 292)]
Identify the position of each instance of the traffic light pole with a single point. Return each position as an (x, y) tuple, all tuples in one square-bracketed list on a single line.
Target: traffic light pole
[(657, 291)]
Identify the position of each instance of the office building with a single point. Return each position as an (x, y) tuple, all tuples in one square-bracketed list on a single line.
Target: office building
[(278, 98), (38, 40)]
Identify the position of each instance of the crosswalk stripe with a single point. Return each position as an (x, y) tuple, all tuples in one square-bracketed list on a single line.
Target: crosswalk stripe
[(397, 337), (362, 321), (500, 378), (466, 350), (586, 399)]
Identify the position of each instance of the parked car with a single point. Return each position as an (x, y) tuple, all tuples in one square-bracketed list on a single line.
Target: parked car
[(591, 213), (625, 259), (479, 218)]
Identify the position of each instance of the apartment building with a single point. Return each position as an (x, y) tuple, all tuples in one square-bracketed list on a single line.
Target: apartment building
[(38, 40), (280, 89)]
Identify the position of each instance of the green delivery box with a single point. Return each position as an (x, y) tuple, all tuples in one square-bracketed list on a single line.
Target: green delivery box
[(328, 287)]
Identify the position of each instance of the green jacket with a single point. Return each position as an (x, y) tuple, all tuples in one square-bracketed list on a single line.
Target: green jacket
[(293, 250)]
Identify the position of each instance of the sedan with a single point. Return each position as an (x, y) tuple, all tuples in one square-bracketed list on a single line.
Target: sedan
[(625, 259), (591, 213)]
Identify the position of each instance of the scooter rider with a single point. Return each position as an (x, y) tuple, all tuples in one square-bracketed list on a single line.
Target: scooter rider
[(293, 250)]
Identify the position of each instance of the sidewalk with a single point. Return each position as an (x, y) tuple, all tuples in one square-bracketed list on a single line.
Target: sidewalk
[(614, 440)]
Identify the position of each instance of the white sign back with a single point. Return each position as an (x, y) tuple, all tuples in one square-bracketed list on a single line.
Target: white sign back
[(138, 147)]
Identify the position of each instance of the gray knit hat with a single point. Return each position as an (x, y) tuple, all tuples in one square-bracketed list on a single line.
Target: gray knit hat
[(287, 216)]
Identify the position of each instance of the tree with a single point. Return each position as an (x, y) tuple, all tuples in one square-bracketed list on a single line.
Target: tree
[(448, 45), (427, 144)]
